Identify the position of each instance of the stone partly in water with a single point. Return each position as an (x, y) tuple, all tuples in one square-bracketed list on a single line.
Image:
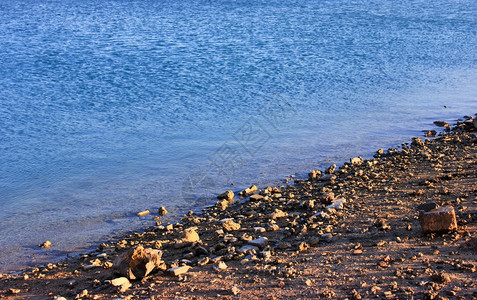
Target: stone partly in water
[(45, 245), (249, 190), (138, 262), (438, 220), (331, 169), (162, 211), (228, 195), (356, 160), (143, 213)]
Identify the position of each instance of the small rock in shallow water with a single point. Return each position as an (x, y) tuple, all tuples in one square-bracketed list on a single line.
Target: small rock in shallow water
[(162, 211), (143, 213), (249, 190), (228, 195), (45, 245)]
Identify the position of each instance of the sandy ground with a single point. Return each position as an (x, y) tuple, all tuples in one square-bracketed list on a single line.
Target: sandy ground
[(371, 246)]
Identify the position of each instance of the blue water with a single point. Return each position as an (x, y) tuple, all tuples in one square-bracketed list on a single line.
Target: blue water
[(111, 107)]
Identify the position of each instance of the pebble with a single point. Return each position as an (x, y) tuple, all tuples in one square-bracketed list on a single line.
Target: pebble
[(259, 229), (220, 266), (261, 242)]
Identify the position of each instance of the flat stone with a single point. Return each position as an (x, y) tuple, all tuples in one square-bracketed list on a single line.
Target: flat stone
[(438, 220), (261, 242), (256, 197), (322, 215), (336, 206), (338, 200), (178, 270), (247, 249)]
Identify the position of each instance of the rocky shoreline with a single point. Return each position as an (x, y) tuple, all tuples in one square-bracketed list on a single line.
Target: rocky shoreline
[(353, 231)]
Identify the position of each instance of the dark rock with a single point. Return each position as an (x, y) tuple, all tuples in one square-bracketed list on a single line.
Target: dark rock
[(331, 169), (428, 206)]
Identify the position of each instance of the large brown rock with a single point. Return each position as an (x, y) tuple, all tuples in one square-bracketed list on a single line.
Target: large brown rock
[(138, 262), (438, 220)]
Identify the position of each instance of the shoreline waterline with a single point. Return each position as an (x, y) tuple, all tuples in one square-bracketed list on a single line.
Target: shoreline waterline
[(146, 222)]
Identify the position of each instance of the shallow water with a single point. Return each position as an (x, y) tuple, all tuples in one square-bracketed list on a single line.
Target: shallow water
[(108, 108)]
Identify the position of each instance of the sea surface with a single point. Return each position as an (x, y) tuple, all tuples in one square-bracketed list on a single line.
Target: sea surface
[(111, 107)]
